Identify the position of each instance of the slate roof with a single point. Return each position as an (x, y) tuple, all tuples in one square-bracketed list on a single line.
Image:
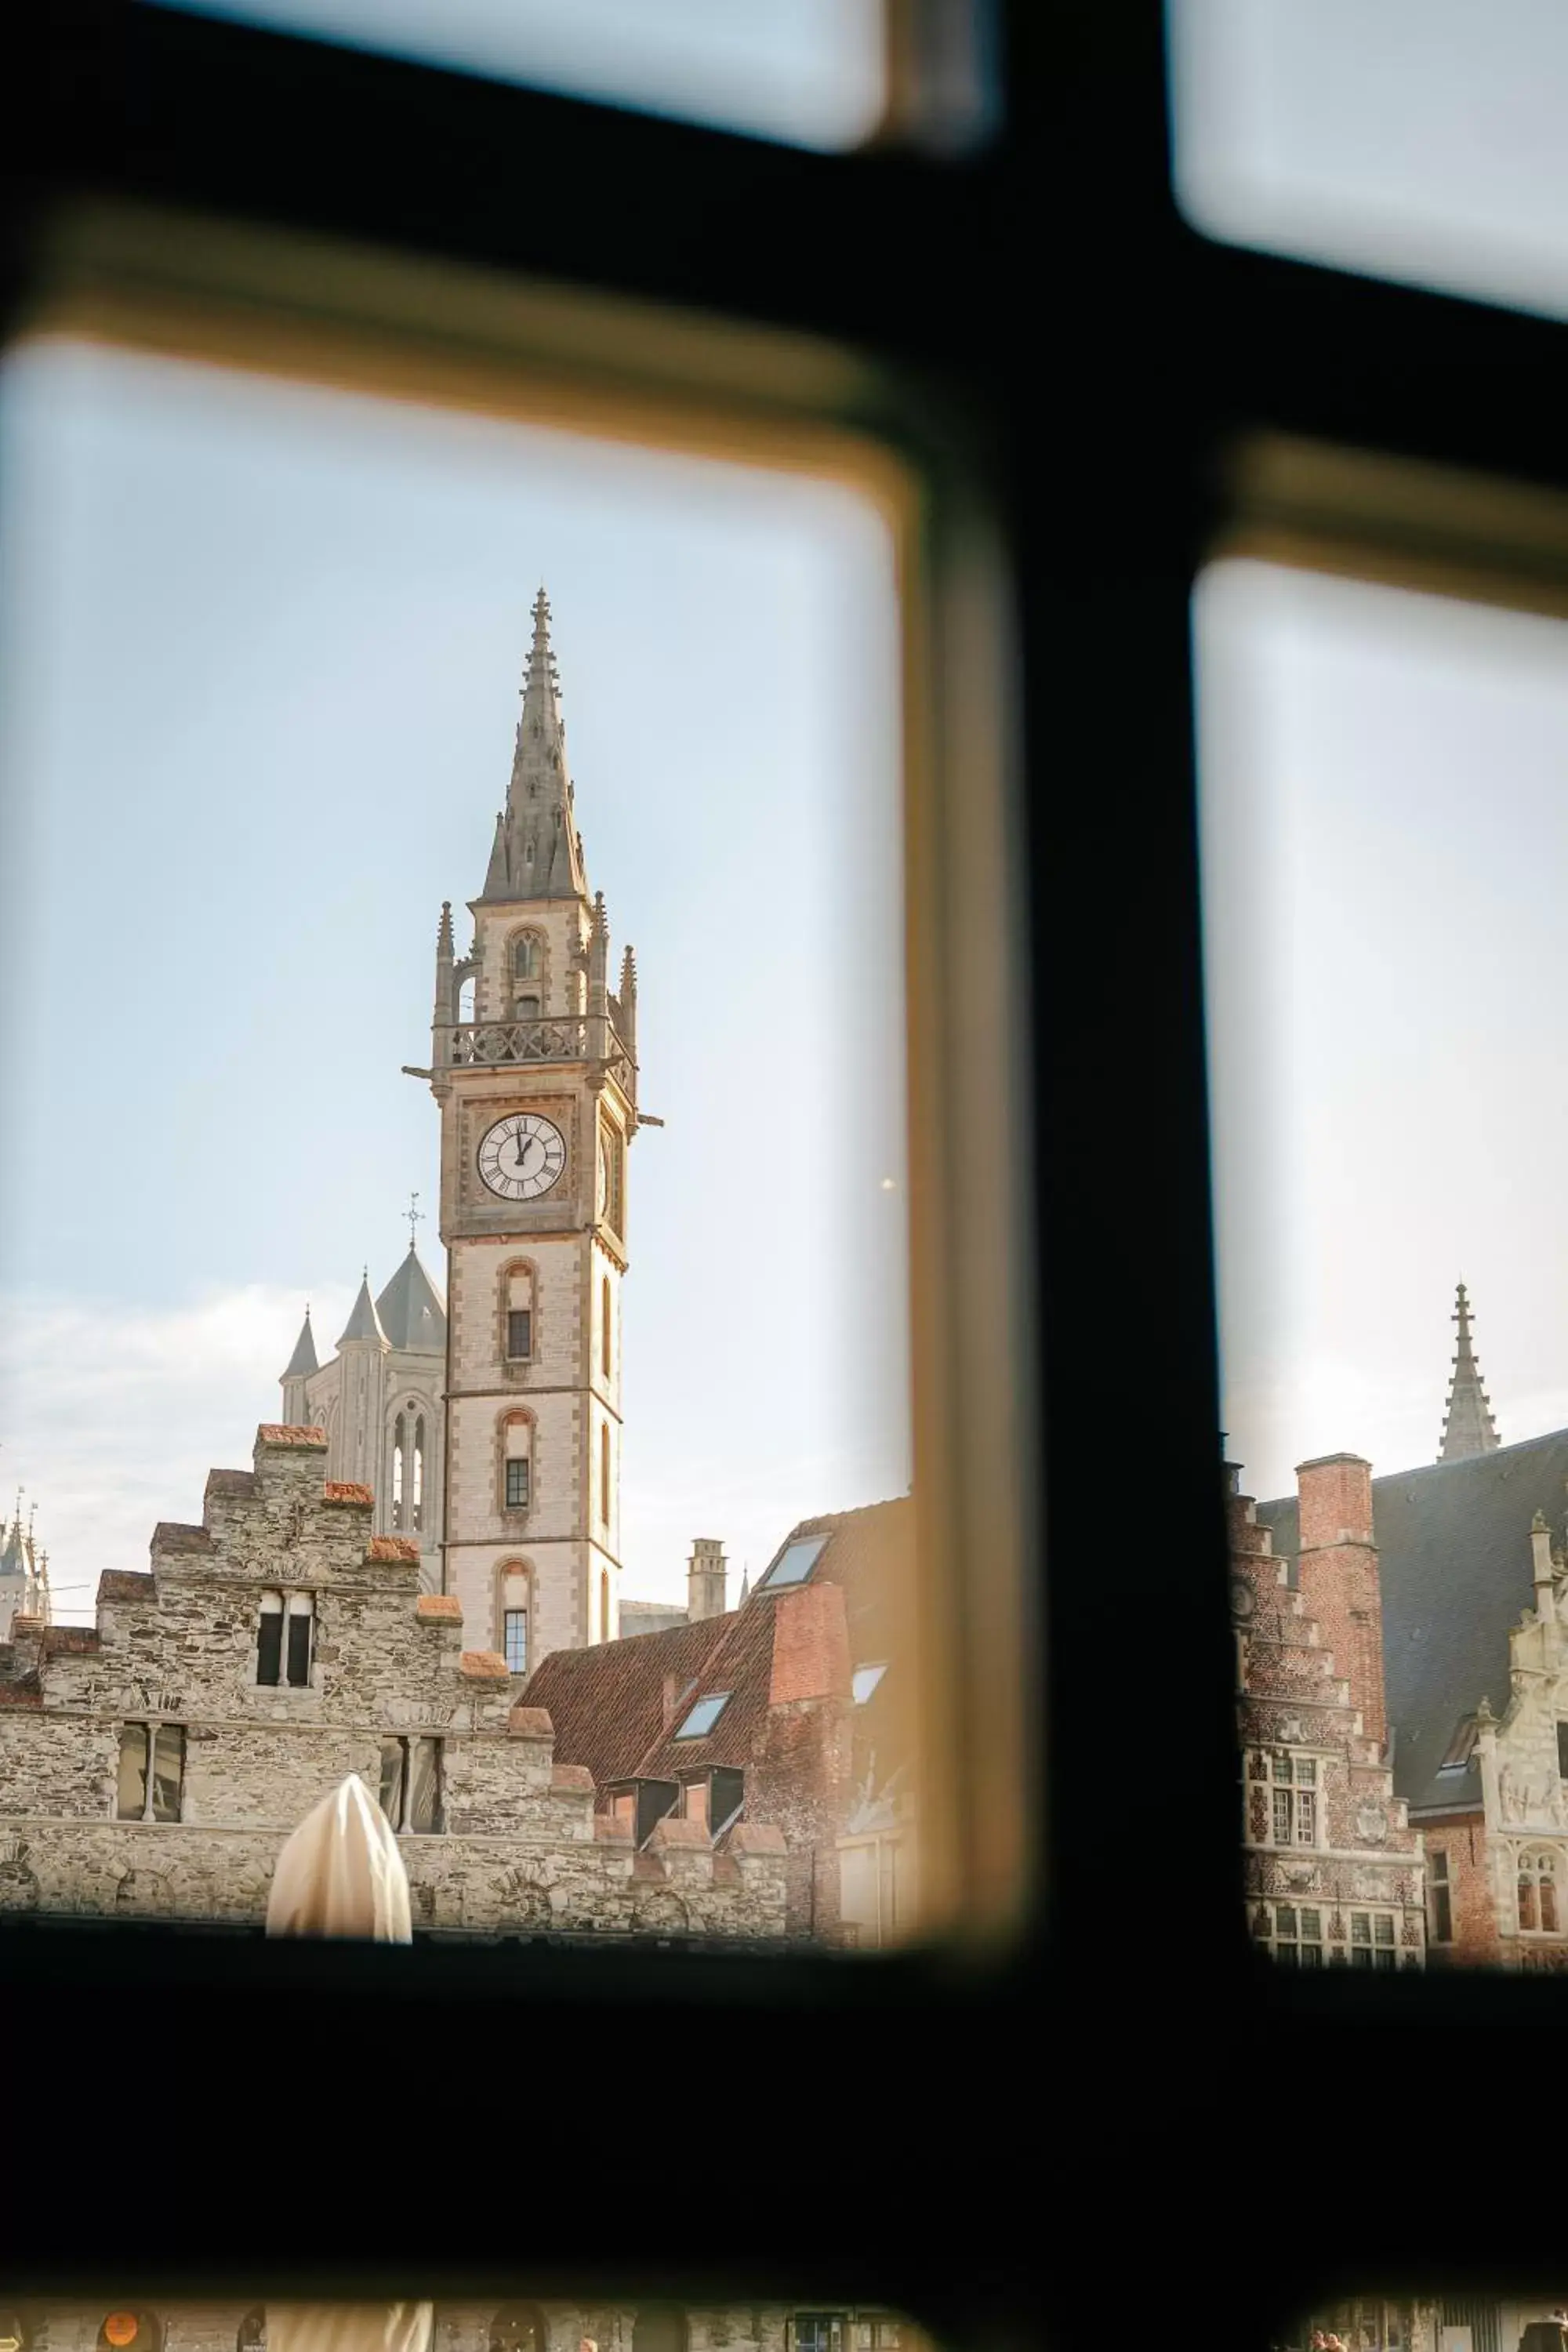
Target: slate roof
[(363, 1323), (410, 1310), (302, 1362), (608, 1703), (1453, 1540)]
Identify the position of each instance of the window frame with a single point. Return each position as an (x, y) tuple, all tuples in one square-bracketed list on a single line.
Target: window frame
[(1116, 478)]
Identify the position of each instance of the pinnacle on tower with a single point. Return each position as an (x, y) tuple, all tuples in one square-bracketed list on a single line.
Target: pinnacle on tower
[(364, 1323), (1467, 1426), (537, 852), (302, 1362)]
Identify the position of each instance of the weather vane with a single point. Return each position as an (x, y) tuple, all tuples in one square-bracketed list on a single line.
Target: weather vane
[(415, 1214)]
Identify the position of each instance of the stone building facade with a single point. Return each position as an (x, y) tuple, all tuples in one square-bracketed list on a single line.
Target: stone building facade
[(151, 1765), (1333, 1868)]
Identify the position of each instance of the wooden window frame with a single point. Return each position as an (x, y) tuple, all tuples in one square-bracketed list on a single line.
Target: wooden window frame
[(1096, 400)]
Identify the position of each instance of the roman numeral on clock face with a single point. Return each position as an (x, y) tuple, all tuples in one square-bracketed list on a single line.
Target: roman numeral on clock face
[(522, 1156)]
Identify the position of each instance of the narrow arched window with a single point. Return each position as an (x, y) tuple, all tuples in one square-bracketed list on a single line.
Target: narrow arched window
[(270, 1640), (604, 1472), (605, 1325), (525, 958), (603, 1604), (418, 1517), (517, 1470), (515, 1595), (398, 1436), (518, 1313)]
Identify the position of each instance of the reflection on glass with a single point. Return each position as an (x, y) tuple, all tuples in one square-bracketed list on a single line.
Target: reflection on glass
[(1425, 2319), (808, 71), (1385, 838), (1420, 139), (456, 1561)]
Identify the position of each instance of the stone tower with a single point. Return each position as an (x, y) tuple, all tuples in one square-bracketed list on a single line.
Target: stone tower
[(1467, 1425), (536, 1082)]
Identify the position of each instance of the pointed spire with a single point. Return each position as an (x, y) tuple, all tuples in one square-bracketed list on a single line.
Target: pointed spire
[(537, 852), (302, 1362), (1467, 1426), (364, 1323), (745, 1586), (444, 948)]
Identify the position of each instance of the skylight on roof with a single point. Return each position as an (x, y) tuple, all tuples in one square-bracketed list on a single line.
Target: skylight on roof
[(864, 1681), (704, 1715), (794, 1563)]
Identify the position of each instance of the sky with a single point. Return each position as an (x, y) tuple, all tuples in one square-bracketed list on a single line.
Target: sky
[(1385, 846), (261, 649), (809, 72), (1419, 139)]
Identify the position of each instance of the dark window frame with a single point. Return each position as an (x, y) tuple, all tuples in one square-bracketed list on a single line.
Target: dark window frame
[(1114, 468)]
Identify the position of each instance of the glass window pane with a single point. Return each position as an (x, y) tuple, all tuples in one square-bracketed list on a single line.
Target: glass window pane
[(796, 1562), (703, 1716), (394, 1764), (1418, 140), (168, 1771), (424, 1786), (810, 72), (131, 1795), (516, 1634)]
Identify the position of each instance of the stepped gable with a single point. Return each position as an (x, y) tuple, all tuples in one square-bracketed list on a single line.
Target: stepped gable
[(1453, 1540)]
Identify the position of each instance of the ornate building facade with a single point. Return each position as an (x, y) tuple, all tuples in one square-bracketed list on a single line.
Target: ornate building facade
[(1333, 1868), (533, 1069)]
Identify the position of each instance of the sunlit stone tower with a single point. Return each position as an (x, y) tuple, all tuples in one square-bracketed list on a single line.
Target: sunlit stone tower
[(536, 1081)]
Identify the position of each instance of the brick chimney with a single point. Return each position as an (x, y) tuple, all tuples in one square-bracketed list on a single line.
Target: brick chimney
[(811, 1646), (707, 1577), (1339, 1577)]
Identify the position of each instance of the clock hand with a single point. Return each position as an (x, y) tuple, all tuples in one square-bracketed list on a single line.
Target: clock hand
[(524, 1145)]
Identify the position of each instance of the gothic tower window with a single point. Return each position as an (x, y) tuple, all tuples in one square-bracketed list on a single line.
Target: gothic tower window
[(418, 1512), (1538, 1881), (603, 1604), (517, 1461), (399, 1436), (525, 958), (604, 1472), (605, 1325), (515, 1597)]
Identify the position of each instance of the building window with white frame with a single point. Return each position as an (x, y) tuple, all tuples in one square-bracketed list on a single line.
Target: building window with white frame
[(516, 1464), (1374, 1939), (1294, 1811), (1439, 1896), (1292, 1932), (518, 1310)]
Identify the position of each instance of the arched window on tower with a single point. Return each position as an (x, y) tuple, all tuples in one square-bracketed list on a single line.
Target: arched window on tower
[(518, 1332), (604, 1472), (603, 1604), (517, 1461), (605, 1325), (417, 1517), (525, 958), (399, 1439), (515, 1598)]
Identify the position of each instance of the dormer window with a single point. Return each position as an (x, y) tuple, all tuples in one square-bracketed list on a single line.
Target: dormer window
[(794, 1563), (704, 1715), (283, 1642)]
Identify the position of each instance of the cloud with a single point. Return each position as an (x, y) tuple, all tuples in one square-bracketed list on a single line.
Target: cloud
[(112, 1416)]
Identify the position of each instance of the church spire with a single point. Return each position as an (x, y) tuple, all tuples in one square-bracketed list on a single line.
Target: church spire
[(302, 1362), (1467, 1426), (537, 853)]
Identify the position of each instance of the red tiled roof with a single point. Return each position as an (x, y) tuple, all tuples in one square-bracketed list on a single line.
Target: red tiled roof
[(282, 1432), (126, 1584), (606, 1703), (348, 1490), (394, 1548), (529, 1723)]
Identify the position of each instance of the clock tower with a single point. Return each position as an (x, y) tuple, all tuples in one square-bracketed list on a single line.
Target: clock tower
[(536, 1082)]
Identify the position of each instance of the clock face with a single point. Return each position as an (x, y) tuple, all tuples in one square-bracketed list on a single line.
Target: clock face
[(522, 1156)]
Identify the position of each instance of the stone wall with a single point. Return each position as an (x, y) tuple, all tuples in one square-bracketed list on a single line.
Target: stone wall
[(520, 1849)]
